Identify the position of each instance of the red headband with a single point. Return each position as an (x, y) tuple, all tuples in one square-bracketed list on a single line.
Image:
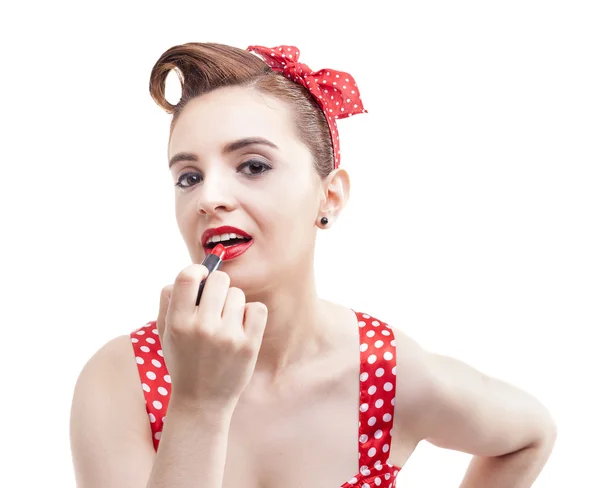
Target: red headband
[(335, 91)]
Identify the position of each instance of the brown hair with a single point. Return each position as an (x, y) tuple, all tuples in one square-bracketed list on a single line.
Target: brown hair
[(204, 67)]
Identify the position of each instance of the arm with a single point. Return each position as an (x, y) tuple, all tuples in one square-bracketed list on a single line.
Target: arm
[(454, 406), (111, 441), (192, 449)]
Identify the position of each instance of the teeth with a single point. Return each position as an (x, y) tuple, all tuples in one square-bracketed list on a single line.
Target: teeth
[(225, 237)]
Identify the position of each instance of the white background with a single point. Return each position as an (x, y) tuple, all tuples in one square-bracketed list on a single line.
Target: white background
[(476, 171)]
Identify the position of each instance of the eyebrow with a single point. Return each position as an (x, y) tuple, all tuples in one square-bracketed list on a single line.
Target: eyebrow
[(228, 148)]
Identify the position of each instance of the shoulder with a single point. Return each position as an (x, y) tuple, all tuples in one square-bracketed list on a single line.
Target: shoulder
[(108, 421), (453, 405), (417, 384), (115, 358)]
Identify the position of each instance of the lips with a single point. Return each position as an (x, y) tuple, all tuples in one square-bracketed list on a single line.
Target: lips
[(230, 251), (235, 250), (224, 229)]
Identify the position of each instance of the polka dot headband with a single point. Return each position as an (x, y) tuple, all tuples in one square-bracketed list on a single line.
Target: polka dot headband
[(335, 91)]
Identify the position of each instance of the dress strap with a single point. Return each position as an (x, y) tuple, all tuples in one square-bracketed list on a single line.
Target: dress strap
[(154, 376), (377, 392)]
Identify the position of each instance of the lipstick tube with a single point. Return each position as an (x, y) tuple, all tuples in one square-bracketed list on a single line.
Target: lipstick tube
[(212, 261)]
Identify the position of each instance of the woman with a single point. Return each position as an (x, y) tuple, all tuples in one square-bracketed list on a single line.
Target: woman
[(261, 379)]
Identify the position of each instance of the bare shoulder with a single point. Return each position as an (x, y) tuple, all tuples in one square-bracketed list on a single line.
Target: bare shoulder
[(415, 385), (111, 442), (453, 405)]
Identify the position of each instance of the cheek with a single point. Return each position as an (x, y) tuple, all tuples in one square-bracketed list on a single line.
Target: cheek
[(184, 218)]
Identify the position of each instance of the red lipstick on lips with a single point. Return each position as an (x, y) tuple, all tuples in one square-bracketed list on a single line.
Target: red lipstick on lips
[(212, 261), (230, 251)]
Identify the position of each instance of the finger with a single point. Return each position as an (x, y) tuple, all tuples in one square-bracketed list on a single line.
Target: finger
[(213, 298), (183, 296), (165, 295), (255, 321), (234, 309)]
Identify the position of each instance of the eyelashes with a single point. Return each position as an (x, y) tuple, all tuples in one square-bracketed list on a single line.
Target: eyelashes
[(252, 163)]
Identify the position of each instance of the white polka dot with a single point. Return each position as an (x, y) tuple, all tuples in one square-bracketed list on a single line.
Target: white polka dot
[(364, 376), (139, 360), (394, 370), (387, 417), (156, 363), (378, 465), (352, 480), (163, 391), (152, 417), (145, 387), (379, 372), (388, 355), (134, 340), (365, 485), (157, 404), (387, 476), (145, 349), (372, 389), (385, 448), (157, 436), (388, 386), (378, 434), (140, 332), (372, 421), (363, 438), (365, 471), (160, 353), (366, 316), (378, 480), (372, 359), (155, 332), (385, 332), (393, 342), (150, 375), (378, 344), (393, 402), (149, 340), (371, 333), (364, 407), (379, 403), (372, 452), (363, 347), (167, 378)]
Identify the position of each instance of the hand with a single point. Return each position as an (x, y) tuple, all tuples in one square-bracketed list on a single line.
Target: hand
[(211, 349)]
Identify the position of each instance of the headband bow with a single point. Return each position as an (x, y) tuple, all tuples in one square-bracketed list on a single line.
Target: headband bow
[(335, 91)]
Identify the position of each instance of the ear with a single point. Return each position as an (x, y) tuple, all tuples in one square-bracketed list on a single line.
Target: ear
[(336, 191)]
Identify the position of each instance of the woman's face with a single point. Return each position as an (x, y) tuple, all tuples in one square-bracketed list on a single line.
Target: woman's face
[(269, 190)]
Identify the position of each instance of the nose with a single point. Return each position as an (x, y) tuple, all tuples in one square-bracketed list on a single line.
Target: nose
[(214, 194)]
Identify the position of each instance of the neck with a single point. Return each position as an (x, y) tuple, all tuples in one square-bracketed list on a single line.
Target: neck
[(299, 327)]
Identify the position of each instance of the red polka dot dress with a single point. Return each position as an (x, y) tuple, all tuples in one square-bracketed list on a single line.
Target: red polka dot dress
[(376, 405)]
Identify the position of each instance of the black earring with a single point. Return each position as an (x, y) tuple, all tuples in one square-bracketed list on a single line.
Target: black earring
[(324, 221)]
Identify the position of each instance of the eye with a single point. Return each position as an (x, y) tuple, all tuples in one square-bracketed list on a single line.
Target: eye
[(257, 168), (256, 164)]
